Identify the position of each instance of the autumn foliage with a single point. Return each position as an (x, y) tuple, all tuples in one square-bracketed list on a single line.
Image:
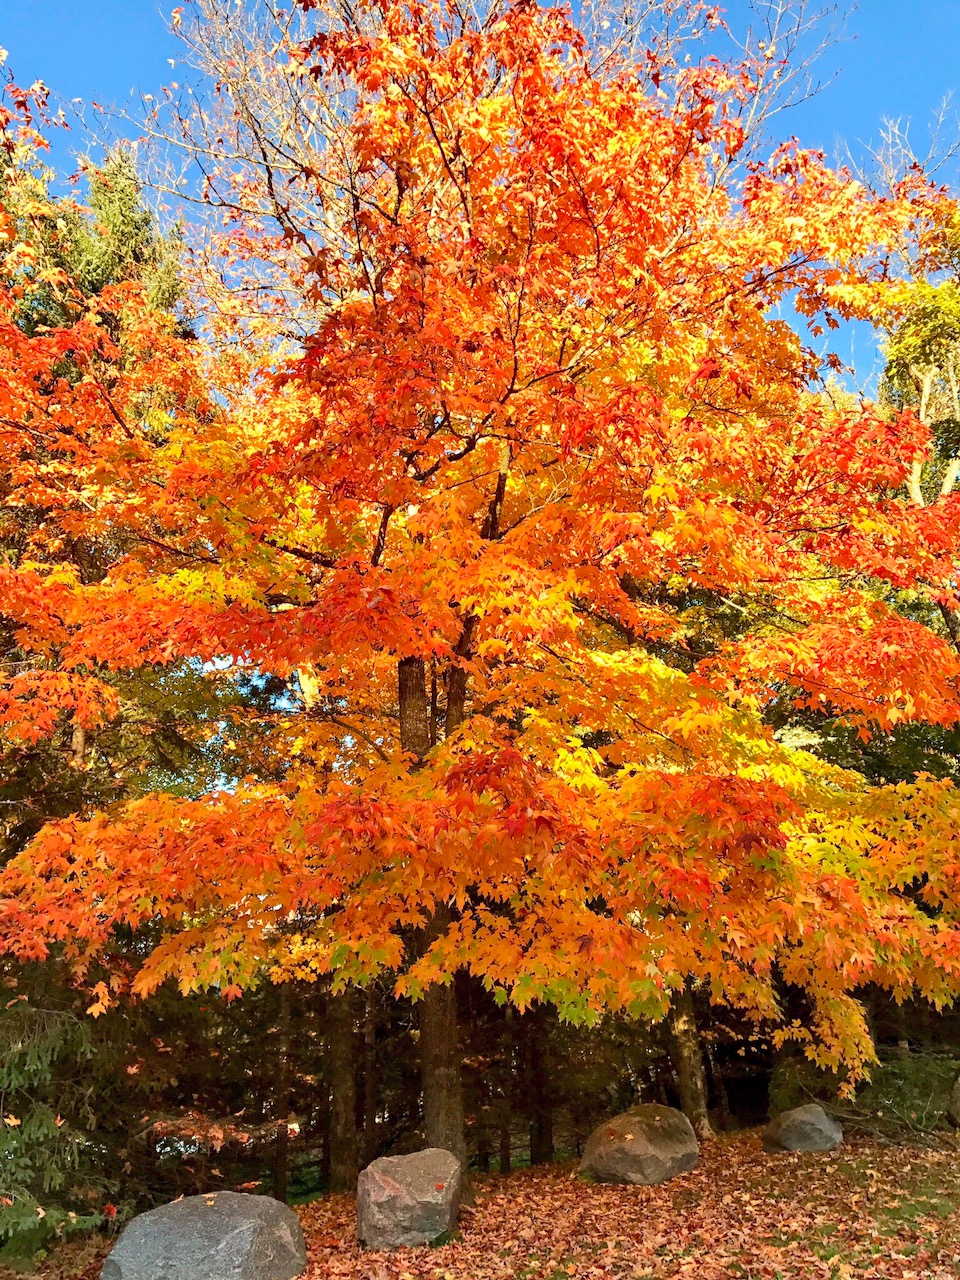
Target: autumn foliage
[(541, 521)]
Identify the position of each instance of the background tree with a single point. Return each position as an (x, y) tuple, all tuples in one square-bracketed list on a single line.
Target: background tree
[(71, 276)]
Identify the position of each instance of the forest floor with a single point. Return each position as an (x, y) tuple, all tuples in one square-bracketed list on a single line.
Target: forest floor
[(867, 1210)]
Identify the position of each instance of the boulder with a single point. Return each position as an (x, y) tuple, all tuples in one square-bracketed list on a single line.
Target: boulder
[(408, 1200), (220, 1236), (649, 1143), (806, 1128)]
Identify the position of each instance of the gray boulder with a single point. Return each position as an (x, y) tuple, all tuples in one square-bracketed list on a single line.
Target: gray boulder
[(647, 1144), (806, 1128), (220, 1236), (408, 1200)]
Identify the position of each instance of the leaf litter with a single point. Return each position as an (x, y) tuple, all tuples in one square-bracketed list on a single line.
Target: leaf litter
[(867, 1211)]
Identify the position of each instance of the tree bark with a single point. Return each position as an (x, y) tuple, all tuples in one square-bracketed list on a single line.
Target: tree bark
[(506, 1090), (439, 1047), (414, 707), (688, 1060), (281, 1142), (370, 1077), (537, 1069), (440, 1056), (321, 1127), (341, 1052), (457, 679), (483, 1147), (900, 1025), (719, 1089)]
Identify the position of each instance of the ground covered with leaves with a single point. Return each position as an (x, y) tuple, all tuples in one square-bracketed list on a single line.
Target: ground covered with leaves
[(867, 1210)]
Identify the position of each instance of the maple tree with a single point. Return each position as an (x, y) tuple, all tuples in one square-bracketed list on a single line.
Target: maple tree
[(537, 516)]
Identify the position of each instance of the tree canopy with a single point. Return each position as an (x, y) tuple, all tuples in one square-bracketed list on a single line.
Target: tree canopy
[(518, 483)]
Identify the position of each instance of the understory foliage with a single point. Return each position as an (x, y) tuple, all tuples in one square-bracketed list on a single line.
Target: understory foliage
[(484, 563)]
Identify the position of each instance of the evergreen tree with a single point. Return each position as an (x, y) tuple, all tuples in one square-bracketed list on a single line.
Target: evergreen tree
[(59, 1068)]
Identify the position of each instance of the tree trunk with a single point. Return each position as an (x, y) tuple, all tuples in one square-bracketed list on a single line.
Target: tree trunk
[(370, 1077), (457, 679), (506, 1090), (439, 1047), (321, 1127), (688, 1060), (341, 1053), (537, 1069), (281, 1142), (440, 1056), (719, 1089), (903, 1035), (414, 707)]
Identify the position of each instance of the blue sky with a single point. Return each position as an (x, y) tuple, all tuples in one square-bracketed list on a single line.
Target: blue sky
[(899, 58), (88, 48)]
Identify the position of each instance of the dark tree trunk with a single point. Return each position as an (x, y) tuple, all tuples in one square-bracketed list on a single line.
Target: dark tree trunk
[(506, 1091), (341, 1056), (440, 1057), (439, 1047), (281, 1142), (322, 1128), (281, 1162), (371, 1080), (719, 1089), (688, 1060), (506, 1141), (903, 1035), (457, 679), (540, 1093)]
